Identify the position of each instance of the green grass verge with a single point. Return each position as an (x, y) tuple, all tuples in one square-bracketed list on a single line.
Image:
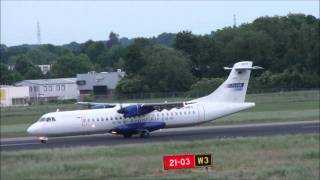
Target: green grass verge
[(275, 157), (270, 107), (277, 107)]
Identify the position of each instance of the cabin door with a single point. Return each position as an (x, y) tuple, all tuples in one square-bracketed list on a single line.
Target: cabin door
[(201, 113)]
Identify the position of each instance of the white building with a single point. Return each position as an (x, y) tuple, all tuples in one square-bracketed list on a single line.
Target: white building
[(45, 68), (51, 89), (14, 96)]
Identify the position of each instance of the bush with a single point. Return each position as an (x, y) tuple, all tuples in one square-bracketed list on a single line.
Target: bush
[(289, 78)]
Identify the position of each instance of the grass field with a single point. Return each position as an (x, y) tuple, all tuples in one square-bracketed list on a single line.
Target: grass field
[(274, 107), (277, 157), (270, 107)]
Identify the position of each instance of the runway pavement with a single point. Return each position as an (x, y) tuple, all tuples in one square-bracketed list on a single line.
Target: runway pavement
[(166, 135)]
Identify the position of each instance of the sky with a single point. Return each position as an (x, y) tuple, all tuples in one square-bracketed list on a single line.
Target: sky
[(62, 22)]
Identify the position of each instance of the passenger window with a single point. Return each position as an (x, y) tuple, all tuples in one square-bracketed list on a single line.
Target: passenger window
[(97, 119), (48, 119), (92, 120), (185, 113), (116, 118), (194, 112), (180, 113), (106, 118), (167, 114), (111, 118), (102, 119), (53, 119), (189, 112), (176, 113)]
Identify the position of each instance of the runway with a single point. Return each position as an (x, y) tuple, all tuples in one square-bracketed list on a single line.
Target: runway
[(166, 135)]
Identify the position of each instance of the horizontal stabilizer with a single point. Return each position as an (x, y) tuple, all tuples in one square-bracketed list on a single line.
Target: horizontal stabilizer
[(243, 68)]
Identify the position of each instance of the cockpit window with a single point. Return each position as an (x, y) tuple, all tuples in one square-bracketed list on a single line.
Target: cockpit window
[(42, 119), (46, 119)]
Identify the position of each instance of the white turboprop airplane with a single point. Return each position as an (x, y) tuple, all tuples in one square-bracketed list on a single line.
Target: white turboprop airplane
[(142, 118)]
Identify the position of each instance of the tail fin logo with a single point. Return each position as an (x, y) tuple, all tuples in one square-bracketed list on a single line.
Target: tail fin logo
[(236, 86)]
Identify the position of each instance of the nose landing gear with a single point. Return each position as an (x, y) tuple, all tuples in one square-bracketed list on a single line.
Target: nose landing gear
[(43, 140)]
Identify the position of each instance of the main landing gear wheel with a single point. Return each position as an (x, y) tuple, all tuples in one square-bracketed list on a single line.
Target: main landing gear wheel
[(127, 135), (145, 134)]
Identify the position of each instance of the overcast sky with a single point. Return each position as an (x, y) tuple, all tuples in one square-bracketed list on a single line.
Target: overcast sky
[(62, 22)]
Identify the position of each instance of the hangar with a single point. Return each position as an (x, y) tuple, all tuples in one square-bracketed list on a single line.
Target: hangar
[(101, 84), (14, 96)]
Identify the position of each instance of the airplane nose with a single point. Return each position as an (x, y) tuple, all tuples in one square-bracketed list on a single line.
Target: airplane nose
[(31, 129)]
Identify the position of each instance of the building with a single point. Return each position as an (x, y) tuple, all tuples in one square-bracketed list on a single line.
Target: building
[(10, 67), (103, 83), (45, 68), (14, 96), (51, 89)]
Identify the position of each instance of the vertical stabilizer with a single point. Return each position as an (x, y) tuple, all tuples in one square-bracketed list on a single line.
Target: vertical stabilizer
[(234, 89)]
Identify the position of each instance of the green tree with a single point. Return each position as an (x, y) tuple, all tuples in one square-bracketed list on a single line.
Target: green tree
[(133, 61), (201, 49), (130, 85), (7, 76), (165, 70), (205, 86), (27, 69), (94, 50), (110, 57), (69, 65), (113, 40), (188, 43), (33, 73), (3, 54), (166, 39)]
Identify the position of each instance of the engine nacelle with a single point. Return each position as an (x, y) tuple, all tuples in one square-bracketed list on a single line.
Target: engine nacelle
[(135, 110)]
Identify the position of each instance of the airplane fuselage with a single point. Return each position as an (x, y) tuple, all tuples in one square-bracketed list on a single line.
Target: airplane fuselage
[(93, 121)]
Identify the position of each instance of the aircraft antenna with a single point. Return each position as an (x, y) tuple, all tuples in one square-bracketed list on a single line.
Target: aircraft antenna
[(38, 33)]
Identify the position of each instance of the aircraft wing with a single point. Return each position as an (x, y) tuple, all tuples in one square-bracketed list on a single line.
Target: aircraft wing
[(95, 105), (136, 109), (165, 105), (133, 110)]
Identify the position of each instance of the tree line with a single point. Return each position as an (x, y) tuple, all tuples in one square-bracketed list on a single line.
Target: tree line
[(286, 46)]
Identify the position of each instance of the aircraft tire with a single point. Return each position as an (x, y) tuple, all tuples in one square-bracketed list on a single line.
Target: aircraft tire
[(127, 135), (145, 134)]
